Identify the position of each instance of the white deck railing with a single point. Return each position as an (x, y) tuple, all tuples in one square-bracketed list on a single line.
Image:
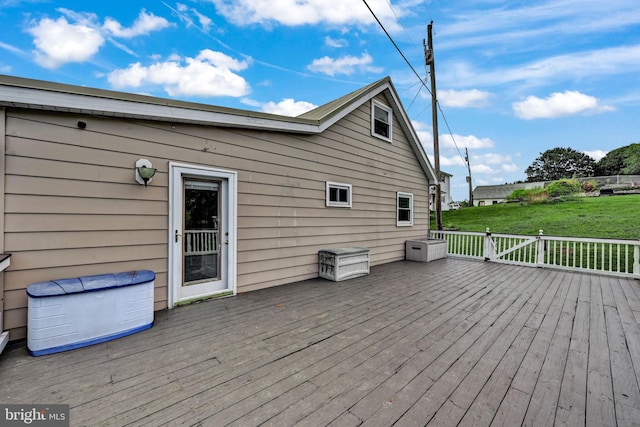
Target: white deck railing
[(603, 256)]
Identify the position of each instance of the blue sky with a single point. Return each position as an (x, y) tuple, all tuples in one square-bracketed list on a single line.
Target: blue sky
[(513, 78)]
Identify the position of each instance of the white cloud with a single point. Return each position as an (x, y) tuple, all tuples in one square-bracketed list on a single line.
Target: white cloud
[(483, 169), (331, 42), (343, 65), (11, 48), (424, 133), (78, 36), (59, 42), (208, 74), (449, 161), (144, 24), (491, 158), (182, 12), (309, 12), (493, 163), (490, 180), (509, 167), (465, 141), (578, 65), (596, 154), (463, 98), (251, 102), (557, 104), (205, 21), (522, 22), (288, 107)]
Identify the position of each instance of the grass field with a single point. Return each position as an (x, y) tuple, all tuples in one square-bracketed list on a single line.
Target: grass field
[(612, 217)]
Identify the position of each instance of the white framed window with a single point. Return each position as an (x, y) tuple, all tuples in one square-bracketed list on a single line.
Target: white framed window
[(404, 208), (381, 121), (338, 194)]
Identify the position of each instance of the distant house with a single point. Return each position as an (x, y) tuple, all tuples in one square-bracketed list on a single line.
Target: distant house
[(445, 192), (615, 184), (265, 192), (484, 195)]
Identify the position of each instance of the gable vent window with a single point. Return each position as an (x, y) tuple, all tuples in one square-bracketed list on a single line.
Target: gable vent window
[(381, 120), (338, 195)]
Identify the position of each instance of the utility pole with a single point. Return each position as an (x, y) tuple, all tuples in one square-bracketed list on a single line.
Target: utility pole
[(466, 159), (430, 61)]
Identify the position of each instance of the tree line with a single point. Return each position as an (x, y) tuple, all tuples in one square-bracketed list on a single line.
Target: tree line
[(558, 163)]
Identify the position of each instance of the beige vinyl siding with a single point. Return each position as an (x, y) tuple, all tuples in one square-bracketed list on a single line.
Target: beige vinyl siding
[(73, 207)]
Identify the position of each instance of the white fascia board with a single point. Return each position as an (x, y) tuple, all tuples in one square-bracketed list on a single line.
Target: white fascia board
[(354, 105), (85, 104), (421, 153), (397, 107)]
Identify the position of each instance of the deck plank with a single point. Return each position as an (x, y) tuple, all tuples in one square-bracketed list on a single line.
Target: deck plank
[(514, 406), (600, 401), (543, 405), (447, 376), (571, 402), (451, 342)]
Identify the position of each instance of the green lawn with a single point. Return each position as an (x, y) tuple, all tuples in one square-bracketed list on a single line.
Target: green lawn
[(613, 217)]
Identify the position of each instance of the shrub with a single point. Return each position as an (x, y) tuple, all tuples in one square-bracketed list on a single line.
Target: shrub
[(589, 186), (519, 194), (532, 195), (563, 187), (537, 195)]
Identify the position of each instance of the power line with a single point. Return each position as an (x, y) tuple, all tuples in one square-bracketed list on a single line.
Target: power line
[(437, 104), (446, 122), (414, 98), (428, 10), (400, 23), (396, 46)]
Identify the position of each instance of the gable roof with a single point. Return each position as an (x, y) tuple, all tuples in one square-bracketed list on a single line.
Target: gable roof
[(502, 191), (36, 94)]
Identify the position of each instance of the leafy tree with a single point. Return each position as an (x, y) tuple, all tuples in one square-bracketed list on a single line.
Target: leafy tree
[(621, 161), (558, 163)]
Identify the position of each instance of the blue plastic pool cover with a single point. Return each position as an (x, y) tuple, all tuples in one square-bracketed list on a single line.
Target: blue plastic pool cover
[(89, 283)]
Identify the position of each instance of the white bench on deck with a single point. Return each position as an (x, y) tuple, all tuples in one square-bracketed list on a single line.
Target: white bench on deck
[(71, 313), (343, 263), (425, 250)]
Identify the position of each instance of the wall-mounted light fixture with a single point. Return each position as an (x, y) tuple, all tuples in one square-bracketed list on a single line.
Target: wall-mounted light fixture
[(144, 171), (82, 125)]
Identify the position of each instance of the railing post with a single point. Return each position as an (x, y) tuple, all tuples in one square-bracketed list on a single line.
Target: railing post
[(636, 260), (540, 249), (489, 252)]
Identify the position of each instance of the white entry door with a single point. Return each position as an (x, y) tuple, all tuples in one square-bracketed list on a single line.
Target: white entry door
[(202, 254)]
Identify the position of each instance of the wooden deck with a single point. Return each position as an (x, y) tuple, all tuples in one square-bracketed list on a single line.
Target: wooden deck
[(446, 343)]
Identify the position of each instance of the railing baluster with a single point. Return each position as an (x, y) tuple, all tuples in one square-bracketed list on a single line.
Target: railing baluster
[(607, 256)]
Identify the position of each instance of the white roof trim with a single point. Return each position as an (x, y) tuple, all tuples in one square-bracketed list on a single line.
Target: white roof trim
[(85, 104), (25, 93)]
